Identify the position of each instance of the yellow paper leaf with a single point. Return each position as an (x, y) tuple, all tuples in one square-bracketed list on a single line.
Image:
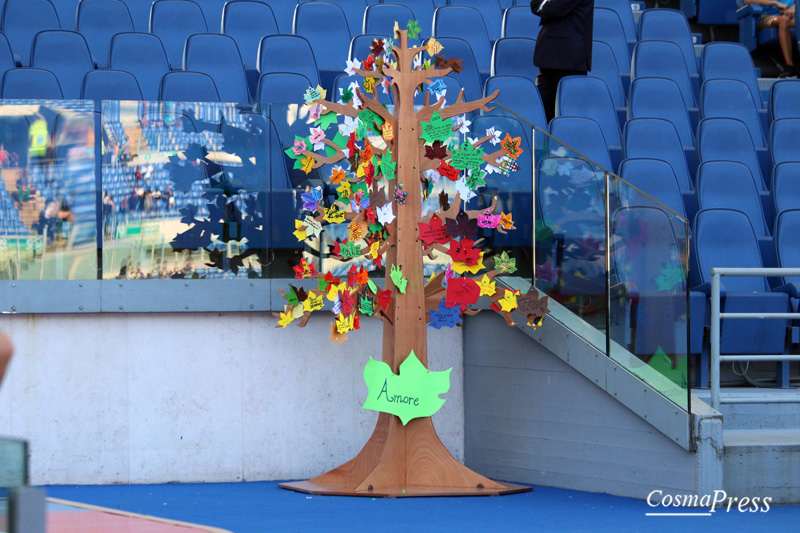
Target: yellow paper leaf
[(434, 47), (487, 287), (344, 189), (373, 249), (509, 302), (369, 85), (461, 267), (387, 131), (308, 164), (297, 311), (285, 319), (300, 231), (355, 231)]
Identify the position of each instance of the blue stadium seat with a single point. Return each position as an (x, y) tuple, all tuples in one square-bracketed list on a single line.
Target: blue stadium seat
[(514, 192), (31, 83), (140, 14), (747, 17), (451, 21), (379, 19), (730, 61), (6, 56), (716, 12), (608, 29), (663, 59), (652, 309), (98, 21), (423, 13), (22, 20), (787, 249), (66, 10), (623, 10), (584, 96), (653, 177), (284, 13), (730, 185), (325, 27), (511, 87), (282, 88), (469, 77), (183, 86), (248, 22), (173, 21), (492, 13), (732, 99), (288, 53), (218, 56), (727, 139), (654, 138), (661, 98), (65, 54), (584, 136), (107, 84), (786, 187), (604, 66), (784, 99), (143, 55), (519, 21), (725, 238), (212, 12), (354, 14), (513, 56), (783, 140), (669, 25), (361, 45)]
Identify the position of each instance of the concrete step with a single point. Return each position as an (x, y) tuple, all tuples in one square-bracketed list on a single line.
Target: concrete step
[(762, 463), (768, 409)]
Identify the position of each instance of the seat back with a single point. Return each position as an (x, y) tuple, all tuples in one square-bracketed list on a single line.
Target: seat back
[(65, 54), (490, 10), (787, 242), (513, 56), (722, 60), (66, 11), (730, 185), (31, 83), (653, 177), (519, 21), (623, 10), (174, 21), (725, 238), (287, 53), (585, 96), (6, 56), (379, 19), (661, 98), (604, 66), (143, 55), (529, 108), (469, 77), (731, 99), (22, 20), (423, 12), (98, 21), (786, 187), (282, 88), (662, 59), (247, 22), (584, 136), (218, 56), (325, 27), (212, 12), (783, 139), (607, 28), (669, 25), (140, 14), (354, 14), (727, 139), (784, 99), (450, 21), (110, 84), (653, 138), (183, 86)]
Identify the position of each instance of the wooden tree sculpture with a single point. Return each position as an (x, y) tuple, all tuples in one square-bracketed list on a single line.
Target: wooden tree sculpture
[(403, 459)]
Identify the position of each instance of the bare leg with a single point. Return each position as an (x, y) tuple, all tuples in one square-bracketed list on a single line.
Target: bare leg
[(6, 349), (785, 39)]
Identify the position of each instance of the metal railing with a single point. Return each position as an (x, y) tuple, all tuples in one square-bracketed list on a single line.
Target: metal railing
[(716, 316)]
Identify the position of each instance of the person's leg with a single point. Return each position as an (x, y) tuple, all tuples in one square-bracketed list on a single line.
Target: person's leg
[(6, 349), (784, 25), (547, 83)]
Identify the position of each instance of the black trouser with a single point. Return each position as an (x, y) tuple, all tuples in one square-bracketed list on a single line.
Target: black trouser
[(547, 82)]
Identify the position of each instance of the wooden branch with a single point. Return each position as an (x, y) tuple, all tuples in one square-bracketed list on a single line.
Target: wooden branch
[(374, 105), (324, 159), (341, 109), (368, 73), (460, 107), (493, 157)]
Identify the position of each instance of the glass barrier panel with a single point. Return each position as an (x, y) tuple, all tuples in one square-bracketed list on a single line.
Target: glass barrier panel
[(185, 190), (13, 463), (48, 191)]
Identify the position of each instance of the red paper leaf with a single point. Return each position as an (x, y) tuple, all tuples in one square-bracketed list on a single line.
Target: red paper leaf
[(433, 232), (463, 252), (436, 151), (449, 172), (463, 291)]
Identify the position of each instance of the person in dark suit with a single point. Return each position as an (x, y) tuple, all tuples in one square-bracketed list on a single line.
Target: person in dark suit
[(564, 45)]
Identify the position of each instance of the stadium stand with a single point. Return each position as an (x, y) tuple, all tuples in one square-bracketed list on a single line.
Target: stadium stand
[(218, 56), (287, 53), (721, 98), (662, 59), (110, 84), (184, 86), (604, 66), (140, 14), (98, 21), (492, 13), (653, 177), (65, 54), (379, 19), (519, 21), (247, 22), (450, 21), (661, 98), (143, 55), (512, 56), (325, 27), (22, 20), (31, 83), (608, 29), (728, 139), (584, 136), (173, 21), (786, 187), (784, 99), (531, 108), (281, 88)]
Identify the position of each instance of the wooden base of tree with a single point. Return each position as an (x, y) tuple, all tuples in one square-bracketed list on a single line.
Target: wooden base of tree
[(403, 461)]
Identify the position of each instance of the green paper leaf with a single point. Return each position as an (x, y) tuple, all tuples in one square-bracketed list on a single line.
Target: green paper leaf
[(397, 277), (505, 264), (388, 168), (349, 249), (475, 179), (368, 117), (467, 157), (436, 130), (291, 297), (413, 29), (414, 393), (324, 121), (372, 286), (362, 130), (366, 306)]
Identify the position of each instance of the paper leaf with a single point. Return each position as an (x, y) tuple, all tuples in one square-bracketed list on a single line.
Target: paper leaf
[(505, 264), (461, 267), (488, 220), (286, 318), (388, 167), (506, 220), (462, 226), (433, 232), (463, 291), (414, 393), (311, 199), (436, 151), (397, 278), (487, 287), (445, 316), (304, 269), (385, 215), (312, 226), (531, 306), (455, 64), (313, 302), (448, 171), (467, 157), (434, 47), (413, 29), (350, 249), (511, 146), (436, 130), (509, 302), (334, 215)]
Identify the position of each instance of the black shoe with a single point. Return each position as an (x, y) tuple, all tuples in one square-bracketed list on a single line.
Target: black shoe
[(790, 72)]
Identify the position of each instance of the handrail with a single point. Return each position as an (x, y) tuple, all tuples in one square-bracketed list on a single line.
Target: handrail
[(716, 316)]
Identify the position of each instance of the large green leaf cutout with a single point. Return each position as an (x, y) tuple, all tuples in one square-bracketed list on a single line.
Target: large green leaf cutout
[(412, 394)]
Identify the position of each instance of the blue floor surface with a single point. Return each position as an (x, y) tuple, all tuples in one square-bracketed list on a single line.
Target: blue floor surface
[(258, 507)]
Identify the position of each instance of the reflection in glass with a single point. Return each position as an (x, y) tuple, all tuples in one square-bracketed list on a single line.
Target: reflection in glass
[(48, 192)]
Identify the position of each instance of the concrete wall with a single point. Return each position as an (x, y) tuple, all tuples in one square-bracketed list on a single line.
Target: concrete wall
[(532, 418), (148, 398)]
